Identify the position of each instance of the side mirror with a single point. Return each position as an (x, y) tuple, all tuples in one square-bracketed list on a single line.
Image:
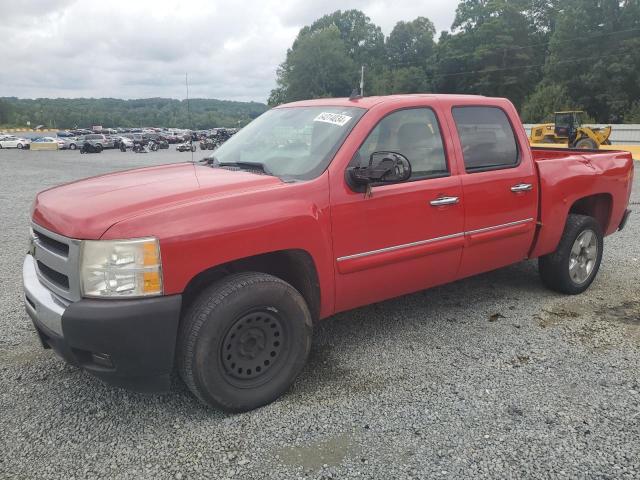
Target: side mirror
[(384, 167)]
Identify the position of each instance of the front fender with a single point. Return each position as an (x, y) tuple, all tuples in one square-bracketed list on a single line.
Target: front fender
[(197, 236)]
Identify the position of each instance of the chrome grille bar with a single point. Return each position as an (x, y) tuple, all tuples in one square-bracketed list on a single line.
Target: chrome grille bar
[(61, 257)]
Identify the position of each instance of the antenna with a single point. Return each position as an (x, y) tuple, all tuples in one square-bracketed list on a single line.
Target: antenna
[(186, 81), (362, 81)]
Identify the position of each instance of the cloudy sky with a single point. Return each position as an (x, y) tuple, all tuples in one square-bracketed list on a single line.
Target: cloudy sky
[(142, 48)]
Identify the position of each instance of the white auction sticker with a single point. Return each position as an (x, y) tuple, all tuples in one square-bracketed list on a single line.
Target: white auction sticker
[(333, 118)]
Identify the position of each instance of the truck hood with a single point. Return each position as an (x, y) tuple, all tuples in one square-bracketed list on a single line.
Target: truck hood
[(87, 208)]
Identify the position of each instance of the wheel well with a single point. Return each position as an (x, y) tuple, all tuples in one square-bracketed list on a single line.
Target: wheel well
[(596, 206), (295, 267)]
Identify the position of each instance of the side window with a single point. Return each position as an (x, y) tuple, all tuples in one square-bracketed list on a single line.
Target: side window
[(487, 139), (414, 133)]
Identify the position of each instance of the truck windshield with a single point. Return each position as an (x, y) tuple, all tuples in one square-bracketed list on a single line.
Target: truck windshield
[(290, 142)]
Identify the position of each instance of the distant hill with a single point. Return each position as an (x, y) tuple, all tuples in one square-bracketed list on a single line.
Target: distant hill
[(113, 112)]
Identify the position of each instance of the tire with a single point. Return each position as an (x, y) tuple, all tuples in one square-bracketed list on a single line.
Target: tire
[(193, 148), (586, 144), (72, 146), (98, 148), (20, 146), (240, 372), (558, 269)]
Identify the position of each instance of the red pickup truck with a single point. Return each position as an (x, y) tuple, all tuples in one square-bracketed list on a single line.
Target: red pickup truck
[(221, 267)]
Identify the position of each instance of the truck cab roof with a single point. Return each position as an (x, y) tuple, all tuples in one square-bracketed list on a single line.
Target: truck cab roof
[(369, 102)]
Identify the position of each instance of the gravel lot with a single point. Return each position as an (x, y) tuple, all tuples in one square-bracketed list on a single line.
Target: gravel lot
[(490, 377)]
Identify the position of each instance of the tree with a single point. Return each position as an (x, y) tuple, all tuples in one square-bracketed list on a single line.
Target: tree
[(595, 54), (363, 40), (69, 112), (544, 101), (317, 66), (355, 41), (490, 51), (401, 80), (411, 43), (5, 112)]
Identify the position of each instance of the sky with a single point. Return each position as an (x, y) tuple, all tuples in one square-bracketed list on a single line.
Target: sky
[(142, 48)]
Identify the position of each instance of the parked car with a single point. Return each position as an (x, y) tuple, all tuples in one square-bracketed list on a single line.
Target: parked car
[(186, 147), (223, 266), (97, 139), (123, 143), (65, 134), (11, 141), (70, 143), (59, 141)]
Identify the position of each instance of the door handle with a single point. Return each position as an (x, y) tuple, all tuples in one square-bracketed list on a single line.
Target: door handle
[(522, 187), (440, 201)]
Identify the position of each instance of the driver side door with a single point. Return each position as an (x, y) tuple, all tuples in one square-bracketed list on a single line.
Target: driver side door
[(405, 236)]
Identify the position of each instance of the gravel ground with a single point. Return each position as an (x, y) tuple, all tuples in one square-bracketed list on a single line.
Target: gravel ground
[(490, 377)]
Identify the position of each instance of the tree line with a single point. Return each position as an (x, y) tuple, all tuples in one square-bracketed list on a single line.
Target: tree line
[(544, 55), (112, 112)]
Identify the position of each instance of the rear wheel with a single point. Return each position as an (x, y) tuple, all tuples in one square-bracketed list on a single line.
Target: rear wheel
[(20, 146), (586, 144), (243, 341), (72, 146), (193, 148), (98, 148), (575, 263)]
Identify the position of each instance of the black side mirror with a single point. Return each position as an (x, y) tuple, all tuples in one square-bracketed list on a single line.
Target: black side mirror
[(384, 167)]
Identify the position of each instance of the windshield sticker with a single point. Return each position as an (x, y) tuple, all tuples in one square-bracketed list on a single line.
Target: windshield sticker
[(333, 118)]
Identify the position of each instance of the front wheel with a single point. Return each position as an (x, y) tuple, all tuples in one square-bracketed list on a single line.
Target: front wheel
[(243, 341), (575, 263), (72, 146)]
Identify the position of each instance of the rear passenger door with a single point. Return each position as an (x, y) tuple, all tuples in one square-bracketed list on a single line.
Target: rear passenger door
[(500, 189)]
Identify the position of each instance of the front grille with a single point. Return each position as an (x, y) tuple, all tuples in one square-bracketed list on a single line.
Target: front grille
[(57, 258), (56, 277), (52, 245)]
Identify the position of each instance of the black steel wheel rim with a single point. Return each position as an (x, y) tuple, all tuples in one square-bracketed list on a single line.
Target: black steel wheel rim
[(252, 347)]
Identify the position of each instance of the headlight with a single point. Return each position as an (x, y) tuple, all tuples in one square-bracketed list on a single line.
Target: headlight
[(121, 268)]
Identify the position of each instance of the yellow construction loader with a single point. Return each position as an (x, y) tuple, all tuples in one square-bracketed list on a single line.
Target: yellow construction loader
[(568, 129)]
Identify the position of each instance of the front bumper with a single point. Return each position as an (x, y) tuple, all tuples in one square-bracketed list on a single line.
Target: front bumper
[(127, 343)]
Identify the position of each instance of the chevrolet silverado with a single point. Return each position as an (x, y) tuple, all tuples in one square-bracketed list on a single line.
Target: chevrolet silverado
[(219, 268)]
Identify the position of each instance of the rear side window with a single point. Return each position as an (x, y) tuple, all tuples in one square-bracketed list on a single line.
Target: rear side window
[(487, 139)]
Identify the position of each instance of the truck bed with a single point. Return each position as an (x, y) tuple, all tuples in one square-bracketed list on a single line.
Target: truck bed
[(566, 176)]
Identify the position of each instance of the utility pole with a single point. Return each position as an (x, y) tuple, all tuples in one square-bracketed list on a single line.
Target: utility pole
[(362, 81)]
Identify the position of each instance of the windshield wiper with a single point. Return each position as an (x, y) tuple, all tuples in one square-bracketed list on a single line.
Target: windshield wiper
[(243, 164), (213, 162)]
